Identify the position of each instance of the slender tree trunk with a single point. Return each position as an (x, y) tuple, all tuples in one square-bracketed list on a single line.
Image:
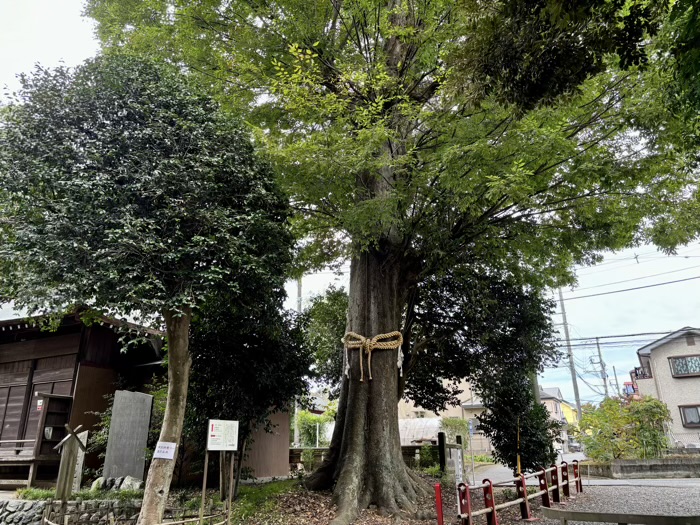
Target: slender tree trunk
[(365, 461), (160, 474)]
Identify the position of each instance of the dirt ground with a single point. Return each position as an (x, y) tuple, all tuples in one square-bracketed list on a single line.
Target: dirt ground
[(301, 507)]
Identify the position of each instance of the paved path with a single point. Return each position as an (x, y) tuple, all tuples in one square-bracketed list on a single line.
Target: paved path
[(659, 501), (496, 472), (7, 494)]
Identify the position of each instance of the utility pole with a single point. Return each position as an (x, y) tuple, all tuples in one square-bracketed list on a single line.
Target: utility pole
[(535, 387), (572, 365), (603, 373), (296, 401), (617, 385)]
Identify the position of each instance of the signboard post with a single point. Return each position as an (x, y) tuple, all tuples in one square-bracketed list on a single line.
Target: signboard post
[(222, 436), (471, 450), (459, 470)]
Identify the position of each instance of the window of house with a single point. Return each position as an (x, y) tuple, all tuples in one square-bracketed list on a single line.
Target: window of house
[(685, 366), (420, 414), (690, 339), (690, 416)]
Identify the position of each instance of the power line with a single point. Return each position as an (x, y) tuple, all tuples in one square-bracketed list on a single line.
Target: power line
[(637, 278), (595, 268), (631, 289), (618, 336)]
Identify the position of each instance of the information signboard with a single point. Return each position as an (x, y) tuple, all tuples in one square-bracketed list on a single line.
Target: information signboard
[(222, 435)]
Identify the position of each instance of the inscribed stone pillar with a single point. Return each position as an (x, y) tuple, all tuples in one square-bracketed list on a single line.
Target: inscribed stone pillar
[(128, 434)]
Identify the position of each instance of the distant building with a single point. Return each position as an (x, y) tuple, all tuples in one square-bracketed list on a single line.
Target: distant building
[(669, 370), (557, 407), (471, 406)]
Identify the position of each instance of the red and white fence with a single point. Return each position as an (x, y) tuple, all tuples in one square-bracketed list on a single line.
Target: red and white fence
[(561, 481)]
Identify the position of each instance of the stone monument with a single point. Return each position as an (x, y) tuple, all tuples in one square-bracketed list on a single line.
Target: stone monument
[(128, 434)]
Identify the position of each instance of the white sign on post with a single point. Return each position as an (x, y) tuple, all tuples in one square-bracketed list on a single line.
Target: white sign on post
[(222, 435), (459, 466)]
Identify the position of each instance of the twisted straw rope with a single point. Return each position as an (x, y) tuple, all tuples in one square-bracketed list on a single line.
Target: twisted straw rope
[(352, 340)]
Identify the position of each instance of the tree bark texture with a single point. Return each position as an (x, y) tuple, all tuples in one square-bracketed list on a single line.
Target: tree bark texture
[(160, 473), (364, 463)]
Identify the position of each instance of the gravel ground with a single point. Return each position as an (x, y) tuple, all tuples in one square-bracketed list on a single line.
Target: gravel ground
[(665, 501)]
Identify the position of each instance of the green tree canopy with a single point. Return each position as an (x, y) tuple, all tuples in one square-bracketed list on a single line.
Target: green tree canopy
[(130, 191), (618, 430)]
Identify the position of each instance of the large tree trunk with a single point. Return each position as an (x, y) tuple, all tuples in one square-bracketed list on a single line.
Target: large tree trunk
[(160, 473), (364, 461)]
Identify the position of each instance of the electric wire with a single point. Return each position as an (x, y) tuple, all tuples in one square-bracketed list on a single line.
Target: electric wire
[(631, 289), (636, 278)]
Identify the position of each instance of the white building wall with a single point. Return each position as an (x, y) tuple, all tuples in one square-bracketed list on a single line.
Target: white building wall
[(674, 391), (647, 387)]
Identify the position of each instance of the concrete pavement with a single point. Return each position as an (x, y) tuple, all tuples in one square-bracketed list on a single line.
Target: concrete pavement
[(496, 473)]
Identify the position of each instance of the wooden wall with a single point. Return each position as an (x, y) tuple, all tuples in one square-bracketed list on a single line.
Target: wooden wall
[(27, 367), (268, 455)]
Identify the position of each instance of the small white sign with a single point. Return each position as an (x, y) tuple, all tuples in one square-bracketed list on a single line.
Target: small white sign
[(222, 435), (459, 466), (165, 450)]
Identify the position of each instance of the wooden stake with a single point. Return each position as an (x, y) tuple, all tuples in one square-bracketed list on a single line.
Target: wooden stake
[(204, 487), (230, 489)]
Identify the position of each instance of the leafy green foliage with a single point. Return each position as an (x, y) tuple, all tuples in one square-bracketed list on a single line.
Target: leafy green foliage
[(249, 359), (309, 423), (479, 326), (453, 427), (130, 191), (514, 422), (347, 83), (327, 317), (618, 430), (428, 457)]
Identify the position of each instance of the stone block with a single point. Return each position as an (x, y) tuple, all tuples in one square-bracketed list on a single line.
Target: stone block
[(128, 434), (131, 483), (97, 484), (118, 483)]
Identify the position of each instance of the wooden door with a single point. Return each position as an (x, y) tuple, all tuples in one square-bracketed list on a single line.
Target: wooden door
[(53, 375)]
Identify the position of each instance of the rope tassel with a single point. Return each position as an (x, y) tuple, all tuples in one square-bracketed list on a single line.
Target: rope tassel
[(390, 341)]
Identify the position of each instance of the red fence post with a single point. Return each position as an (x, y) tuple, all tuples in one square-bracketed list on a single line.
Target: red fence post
[(577, 475), (555, 483), (542, 475), (565, 478), (464, 503), (438, 504), (521, 487), (491, 517)]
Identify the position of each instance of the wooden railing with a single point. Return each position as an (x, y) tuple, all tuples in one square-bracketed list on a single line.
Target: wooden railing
[(553, 483)]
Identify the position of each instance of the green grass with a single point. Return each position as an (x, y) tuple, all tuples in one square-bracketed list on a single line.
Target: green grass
[(483, 458), (35, 494), (255, 499), (120, 495)]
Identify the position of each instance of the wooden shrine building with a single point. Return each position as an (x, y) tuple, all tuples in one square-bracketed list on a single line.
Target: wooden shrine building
[(50, 378)]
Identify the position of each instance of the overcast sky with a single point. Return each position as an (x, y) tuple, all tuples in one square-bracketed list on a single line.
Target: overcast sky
[(51, 32)]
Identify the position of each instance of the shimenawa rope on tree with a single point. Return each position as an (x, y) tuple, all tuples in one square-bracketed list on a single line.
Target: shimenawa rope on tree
[(389, 341)]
